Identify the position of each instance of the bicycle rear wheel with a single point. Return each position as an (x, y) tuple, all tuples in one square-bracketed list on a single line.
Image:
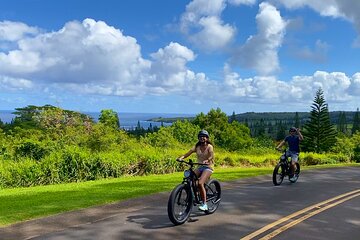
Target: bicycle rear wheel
[(213, 195), (180, 204), (278, 174)]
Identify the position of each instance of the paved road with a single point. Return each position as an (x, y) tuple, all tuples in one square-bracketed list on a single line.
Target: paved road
[(248, 206)]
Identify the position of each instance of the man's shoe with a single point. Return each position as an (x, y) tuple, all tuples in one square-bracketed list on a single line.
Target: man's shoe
[(203, 207)]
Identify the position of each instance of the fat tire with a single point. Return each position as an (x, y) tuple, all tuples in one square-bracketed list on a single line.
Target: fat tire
[(181, 196), (278, 177), (213, 195)]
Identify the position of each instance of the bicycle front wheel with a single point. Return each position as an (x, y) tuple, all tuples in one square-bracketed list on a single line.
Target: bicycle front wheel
[(180, 204), (278, 174), (213, 195)]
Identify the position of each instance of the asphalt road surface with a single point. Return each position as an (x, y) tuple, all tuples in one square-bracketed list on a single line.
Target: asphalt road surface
[(323, 204)]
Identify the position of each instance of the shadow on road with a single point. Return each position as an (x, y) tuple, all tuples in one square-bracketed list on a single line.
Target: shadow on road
[(152, 221)]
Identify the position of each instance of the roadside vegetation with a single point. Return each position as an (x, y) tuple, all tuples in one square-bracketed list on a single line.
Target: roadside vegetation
[(25, 203), (54, 160)]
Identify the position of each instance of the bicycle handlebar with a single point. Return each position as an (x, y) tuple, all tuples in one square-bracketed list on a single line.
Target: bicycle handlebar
[(191, 163), (280, 150)]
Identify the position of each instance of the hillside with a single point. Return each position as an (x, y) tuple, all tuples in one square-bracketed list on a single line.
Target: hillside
[(269, 117)]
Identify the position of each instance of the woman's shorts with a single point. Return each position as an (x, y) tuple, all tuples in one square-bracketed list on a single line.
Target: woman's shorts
[(205, 168)]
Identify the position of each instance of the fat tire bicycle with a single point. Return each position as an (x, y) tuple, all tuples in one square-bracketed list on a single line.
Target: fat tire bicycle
[(186, 195), (283, 169)]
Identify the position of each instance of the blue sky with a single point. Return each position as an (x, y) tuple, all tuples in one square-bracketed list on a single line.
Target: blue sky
[(177, 56)]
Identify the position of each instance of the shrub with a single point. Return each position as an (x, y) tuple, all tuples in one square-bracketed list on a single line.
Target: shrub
[(31, 150), (311, 159)]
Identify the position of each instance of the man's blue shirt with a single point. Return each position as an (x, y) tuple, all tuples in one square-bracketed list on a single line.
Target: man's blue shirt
[(293, 142)]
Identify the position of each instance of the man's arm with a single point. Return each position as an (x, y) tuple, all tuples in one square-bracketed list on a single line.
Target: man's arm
[(280, 144), (299, 134)]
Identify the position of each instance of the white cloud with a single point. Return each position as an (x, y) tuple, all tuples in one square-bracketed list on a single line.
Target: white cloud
[(91, 57), (202, 24), (213, 35), (90, 53), (95, 59), (347, 9), (13, 31), (260, 51), (169, 69), (324, 7), (355, 85), (240, 2), (337, 88), (14, 84)]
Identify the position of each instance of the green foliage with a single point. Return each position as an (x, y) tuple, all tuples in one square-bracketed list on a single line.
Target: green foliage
[(231, 136), (32, 150), (344, 145), (163, 138), (109, 118), (342, 126), (356, 123), (184, 131), (234, 137), (64, 146), (281, 132), (319, 134)]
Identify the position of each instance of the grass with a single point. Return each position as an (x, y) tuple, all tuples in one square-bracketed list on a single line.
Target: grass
[(20, 204)]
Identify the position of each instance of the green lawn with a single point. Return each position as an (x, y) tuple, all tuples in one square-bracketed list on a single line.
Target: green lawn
[(19, 204)]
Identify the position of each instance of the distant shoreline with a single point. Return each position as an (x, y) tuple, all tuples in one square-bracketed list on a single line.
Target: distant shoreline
[(127, 120)]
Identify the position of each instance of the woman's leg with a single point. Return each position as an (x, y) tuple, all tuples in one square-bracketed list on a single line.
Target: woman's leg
[(203, 178)]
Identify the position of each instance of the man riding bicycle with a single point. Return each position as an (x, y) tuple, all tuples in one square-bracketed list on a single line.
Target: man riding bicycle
[(293, 141)]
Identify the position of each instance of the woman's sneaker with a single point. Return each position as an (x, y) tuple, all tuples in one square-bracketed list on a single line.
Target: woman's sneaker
[(203, 207)]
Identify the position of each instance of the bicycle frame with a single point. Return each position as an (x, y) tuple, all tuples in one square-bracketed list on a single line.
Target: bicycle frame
[(284, 159), (192, 180)]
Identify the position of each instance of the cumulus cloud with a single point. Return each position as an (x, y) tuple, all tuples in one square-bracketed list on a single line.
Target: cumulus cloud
[(260, 51), (346, 9), (13, 31), (14, 84), (169, 69), (92, 57), (79, 52), (244, 2), (337, 88), (202, 24)]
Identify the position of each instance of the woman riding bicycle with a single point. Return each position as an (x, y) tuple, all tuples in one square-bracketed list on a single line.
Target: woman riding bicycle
[(293, 141), (205, 155)]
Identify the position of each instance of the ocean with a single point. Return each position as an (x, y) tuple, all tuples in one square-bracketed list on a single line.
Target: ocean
[(127, 120)]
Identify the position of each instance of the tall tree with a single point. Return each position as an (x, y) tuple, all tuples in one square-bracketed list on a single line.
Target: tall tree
[(109, 118), (319, 134), (356, 122), (341, 126), (232, 117), (297, 120), (281, 131)]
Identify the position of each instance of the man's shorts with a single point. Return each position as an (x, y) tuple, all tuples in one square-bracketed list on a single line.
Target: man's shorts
[(294, 155)]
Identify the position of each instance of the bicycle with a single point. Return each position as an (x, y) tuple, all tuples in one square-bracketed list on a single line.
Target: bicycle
[(283, 169), (186, 195)]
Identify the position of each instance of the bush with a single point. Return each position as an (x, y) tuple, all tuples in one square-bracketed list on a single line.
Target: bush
[(311, 159), (31, 150)]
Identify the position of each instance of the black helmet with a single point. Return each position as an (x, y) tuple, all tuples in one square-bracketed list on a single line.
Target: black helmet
[(293, 129), (203, 133)]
